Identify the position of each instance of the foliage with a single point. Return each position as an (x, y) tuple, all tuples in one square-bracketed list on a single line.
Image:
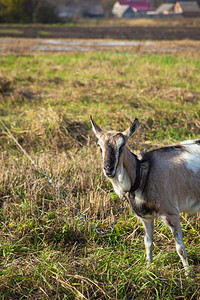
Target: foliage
[(46, 100), (24, 11), (44, 13), (13, 11)]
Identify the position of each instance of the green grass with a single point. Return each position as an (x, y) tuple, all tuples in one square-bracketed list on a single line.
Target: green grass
[(45, 250), (43, 32), (10, 31)]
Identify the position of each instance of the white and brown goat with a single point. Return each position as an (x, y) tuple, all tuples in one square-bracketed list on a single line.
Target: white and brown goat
[(165, 182)]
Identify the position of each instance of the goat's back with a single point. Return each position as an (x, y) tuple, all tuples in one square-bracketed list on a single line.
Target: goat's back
[(173, 178)]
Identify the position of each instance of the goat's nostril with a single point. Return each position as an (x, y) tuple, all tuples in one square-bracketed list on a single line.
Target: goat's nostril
[(108, 169)]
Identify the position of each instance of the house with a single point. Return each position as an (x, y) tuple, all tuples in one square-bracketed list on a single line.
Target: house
[(80, 8), (180, 8), (130, 9), (123, 11), (166, 8), (140, 6), (187, 9), (68, 12), (79, 11), (93, 11)]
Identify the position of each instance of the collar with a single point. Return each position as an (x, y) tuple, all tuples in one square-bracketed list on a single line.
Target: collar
[(138, 177)]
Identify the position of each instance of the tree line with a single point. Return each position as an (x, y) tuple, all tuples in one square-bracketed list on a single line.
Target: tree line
[(27, 11)]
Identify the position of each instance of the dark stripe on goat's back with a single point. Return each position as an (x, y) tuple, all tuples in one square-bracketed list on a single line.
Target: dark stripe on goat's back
[(148, 156), (197, 142), (170, 148)]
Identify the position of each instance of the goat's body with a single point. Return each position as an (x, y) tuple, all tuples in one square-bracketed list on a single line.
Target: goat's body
[(171, 172), (169, 184), (173, 175)]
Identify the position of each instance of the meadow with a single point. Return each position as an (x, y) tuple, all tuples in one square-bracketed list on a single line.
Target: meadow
[(46, 251)]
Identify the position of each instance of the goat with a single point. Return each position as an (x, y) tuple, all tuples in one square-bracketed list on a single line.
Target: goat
[(164, 183)]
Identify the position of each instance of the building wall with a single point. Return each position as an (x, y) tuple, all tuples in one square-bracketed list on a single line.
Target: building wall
[(177, 8)]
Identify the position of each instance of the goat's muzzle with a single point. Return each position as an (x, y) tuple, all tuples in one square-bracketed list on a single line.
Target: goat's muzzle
[(109, 171)]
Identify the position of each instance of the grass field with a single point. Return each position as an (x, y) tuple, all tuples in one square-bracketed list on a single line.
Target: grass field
[(46, 251)]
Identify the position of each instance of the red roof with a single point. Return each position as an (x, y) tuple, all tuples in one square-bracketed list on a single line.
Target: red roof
[(139, 5)]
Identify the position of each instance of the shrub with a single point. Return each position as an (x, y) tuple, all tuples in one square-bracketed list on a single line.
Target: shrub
[(27, 11), (13, 11), (44, 13)]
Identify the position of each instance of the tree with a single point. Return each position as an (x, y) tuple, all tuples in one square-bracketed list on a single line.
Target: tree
[(30, 6), (44, 13), (26, 11), (13, 11)]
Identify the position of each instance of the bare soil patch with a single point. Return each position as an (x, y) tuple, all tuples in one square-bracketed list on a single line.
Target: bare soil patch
[(104, 32)]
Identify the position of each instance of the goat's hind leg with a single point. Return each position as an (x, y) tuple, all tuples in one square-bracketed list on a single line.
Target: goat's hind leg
[(148, 238), (173, 222)]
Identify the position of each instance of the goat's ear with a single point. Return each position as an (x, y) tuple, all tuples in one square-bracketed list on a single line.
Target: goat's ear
[(132, 129), (96, 129)]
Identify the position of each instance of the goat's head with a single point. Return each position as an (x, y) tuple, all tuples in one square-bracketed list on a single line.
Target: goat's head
[(112, 145)]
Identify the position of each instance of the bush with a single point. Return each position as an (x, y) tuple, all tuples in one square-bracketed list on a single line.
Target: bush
[(44, 13), (13, 11), (27, 11)]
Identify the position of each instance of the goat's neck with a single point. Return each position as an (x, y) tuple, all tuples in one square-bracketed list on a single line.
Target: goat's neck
[(129, 163), (125, 175)]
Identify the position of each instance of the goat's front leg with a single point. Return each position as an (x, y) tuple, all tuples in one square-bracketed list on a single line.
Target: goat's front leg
[(148, 238)]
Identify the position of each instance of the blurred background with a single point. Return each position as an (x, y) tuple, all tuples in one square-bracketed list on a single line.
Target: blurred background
[(50, 11)]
